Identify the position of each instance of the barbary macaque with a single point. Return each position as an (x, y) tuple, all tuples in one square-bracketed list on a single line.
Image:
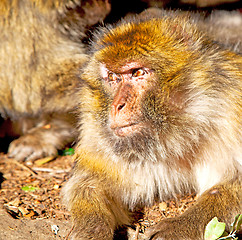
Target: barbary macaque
[(41, 53), (160, 115)]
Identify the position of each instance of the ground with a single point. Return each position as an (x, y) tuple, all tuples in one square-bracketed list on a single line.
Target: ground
[(31, 207), (30, 203)]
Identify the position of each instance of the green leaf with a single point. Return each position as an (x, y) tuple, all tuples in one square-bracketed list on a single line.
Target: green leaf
[(238, 219), (68, 151), (236, 224), (29, 188), (214, 229)]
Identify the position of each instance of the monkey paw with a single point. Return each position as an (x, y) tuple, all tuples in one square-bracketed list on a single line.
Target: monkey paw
[(31, 147), (174, 229)]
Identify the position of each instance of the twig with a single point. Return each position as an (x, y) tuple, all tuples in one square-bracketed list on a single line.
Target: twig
[(39, 169), (69, 233), (24, 167)]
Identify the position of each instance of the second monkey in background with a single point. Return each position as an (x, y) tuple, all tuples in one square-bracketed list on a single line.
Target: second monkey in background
[(41, 55)]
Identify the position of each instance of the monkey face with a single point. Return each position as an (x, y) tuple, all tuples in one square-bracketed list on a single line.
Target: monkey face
[(126, 127), (135, 88), (127, 88)]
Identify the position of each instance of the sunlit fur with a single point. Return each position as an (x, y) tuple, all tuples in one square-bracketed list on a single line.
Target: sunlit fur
[(191, 139), (32, 49)]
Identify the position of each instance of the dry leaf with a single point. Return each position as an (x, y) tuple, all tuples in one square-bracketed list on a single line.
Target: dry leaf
[(42, 161)]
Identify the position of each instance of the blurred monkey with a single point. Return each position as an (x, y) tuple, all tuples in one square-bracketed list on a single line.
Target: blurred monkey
[(41, 54)]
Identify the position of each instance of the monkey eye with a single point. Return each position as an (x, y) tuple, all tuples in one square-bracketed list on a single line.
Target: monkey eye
[(113, 77), (138, 72)]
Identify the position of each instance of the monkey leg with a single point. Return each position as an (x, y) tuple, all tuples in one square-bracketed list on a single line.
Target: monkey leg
[(222, 201), (95, 207), (45, 138)]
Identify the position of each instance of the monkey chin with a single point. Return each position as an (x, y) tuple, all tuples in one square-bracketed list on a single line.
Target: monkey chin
[(126, 130)]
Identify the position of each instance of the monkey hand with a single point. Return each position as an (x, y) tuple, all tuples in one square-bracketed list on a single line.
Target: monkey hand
[(30, 147), (178, 228), (42, 141), (191, 224)]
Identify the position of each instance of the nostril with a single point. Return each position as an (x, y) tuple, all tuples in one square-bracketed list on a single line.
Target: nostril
[(120, 106)]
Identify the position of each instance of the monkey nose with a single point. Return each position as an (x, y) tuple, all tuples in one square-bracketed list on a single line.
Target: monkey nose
[(118, 106), (118, 115)]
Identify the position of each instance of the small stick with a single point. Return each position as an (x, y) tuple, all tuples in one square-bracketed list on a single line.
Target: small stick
[(68, 235), (38, 169), (24, 166)]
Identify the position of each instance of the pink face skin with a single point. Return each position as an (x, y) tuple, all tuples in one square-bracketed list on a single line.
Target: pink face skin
[(127, 87)]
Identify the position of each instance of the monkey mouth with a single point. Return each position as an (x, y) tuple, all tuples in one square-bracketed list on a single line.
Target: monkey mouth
[(126, 130)]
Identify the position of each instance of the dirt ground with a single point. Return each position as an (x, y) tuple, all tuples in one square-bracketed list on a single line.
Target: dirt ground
[(30, 204), (31, 207)]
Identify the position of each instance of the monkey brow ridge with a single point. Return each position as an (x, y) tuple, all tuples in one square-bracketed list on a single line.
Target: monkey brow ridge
[(135, 38), (135, 41), (133, 33)]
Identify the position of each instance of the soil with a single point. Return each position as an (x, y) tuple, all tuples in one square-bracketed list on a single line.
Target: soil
[(31, 207)]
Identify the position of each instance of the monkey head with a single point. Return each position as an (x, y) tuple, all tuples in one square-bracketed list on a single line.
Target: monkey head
[(139, 85)]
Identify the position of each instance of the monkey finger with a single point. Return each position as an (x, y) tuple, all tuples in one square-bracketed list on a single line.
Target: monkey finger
[(37, 154), (24, 150), (18, 151)]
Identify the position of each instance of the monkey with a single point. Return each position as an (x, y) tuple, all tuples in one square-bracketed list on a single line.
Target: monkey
[(160, 115), (41, 54)]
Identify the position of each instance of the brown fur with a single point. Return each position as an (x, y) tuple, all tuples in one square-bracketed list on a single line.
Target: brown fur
[(186, 111), (40, 57), (224, 27)]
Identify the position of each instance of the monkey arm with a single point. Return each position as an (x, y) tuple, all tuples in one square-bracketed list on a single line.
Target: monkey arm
[(50, 134), (94, 211), (94, 200), (222, 201), (90, 211)]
